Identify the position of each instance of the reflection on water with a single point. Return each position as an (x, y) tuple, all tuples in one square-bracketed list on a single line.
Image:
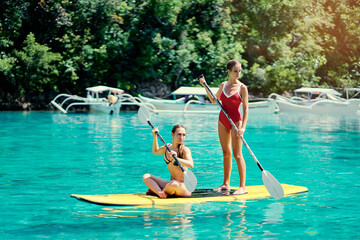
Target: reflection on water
[(169, 217), (319, 121), (228, 217), (273, 213), (236, 223)]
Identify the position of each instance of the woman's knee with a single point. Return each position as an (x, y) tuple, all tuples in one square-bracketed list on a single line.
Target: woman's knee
[(239, 157), (187, 194), (146, 176), (174, 184), (227, 153), (178, 188)]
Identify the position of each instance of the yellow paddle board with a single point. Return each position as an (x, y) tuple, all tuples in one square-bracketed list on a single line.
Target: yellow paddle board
[(198, 196)]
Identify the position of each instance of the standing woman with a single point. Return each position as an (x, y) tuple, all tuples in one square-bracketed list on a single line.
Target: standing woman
[(232, 93), (176, 185)]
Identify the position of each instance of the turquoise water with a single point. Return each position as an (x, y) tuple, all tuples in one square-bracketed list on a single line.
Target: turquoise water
[(45, 157)]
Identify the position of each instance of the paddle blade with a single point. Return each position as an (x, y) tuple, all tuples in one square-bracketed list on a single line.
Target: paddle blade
[(143, 114), (272, 185), (190, 180)]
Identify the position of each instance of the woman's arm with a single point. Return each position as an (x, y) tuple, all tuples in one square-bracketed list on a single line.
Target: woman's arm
[(245, 103), (217, 95), (155, 146), (187, 160)]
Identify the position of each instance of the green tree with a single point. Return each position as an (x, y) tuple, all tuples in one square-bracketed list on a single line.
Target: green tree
[(36, 67), (282, 44)]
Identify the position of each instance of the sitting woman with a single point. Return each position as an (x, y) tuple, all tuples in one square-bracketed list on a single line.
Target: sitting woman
[(176, 185)]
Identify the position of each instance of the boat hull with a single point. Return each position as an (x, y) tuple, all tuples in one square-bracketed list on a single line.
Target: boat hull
[(194, 106), (106, 108), (321, 106)]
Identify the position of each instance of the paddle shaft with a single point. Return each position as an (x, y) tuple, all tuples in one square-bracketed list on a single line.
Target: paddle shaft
[(233, 124), (167, 147)]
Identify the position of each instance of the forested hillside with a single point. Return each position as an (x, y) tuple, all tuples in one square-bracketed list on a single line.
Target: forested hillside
[(47, 47)]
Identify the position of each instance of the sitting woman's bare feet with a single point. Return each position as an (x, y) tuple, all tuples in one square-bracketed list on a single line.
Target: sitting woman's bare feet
[(222, 188), (152, 193), (240, 191), (162, 195)]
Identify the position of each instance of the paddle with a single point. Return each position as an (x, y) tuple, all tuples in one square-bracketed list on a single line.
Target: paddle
[(272, 185), (189, 177)]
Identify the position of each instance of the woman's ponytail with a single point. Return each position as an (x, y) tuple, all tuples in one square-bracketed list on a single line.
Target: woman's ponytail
[(181, 146)]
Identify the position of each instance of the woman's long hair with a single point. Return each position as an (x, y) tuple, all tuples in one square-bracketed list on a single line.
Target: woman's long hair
[(181, 146)]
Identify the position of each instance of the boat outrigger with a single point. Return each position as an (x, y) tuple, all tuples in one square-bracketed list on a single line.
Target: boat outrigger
[(193, 100), (317, 100), (100, 99), (185, 100)]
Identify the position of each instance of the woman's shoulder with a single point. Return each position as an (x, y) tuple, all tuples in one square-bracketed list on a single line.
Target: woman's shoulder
[(242, 85), (186, 148), (243, 89), (222, 84)]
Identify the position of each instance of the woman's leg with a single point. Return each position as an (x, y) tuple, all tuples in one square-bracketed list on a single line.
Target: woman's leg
[(155, 184), (225, 140), (176, 188), (237, 150)]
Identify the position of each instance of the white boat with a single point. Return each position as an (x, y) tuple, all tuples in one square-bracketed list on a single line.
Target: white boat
[(192, 100), (100, 99), (317, 100)]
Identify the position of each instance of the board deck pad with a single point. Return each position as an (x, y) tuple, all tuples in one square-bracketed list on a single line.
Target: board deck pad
[(198, 196)]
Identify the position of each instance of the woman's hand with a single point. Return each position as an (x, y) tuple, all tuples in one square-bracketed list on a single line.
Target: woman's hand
[(154, 131), (202, 80), (241, 132), (169, 155)]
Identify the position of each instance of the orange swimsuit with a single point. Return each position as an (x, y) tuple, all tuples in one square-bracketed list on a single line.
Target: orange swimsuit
[(231, 105)]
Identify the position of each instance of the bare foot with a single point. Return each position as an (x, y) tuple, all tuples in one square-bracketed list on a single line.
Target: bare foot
[(222, 188), (225, 192), (240, 191), (162, 195)]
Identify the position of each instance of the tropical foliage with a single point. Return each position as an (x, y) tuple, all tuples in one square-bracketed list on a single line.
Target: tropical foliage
[(67, 45)]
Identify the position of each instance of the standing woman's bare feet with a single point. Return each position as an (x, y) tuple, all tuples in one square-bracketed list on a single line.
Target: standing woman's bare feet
[(240, 191), (222, 188)]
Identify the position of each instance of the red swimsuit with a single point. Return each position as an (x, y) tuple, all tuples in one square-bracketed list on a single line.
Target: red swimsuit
[(231, 105)]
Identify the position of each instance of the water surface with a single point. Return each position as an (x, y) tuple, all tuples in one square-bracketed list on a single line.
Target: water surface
[(46, 156)]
